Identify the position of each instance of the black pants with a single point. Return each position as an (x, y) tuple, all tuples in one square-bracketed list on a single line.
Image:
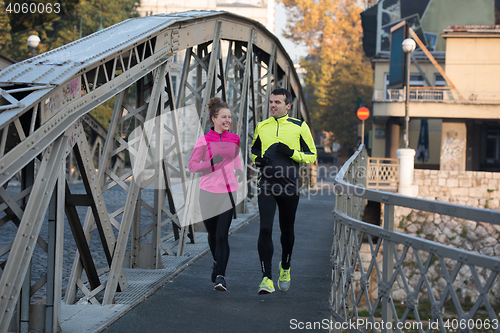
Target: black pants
[(217, 213), (287, 207)]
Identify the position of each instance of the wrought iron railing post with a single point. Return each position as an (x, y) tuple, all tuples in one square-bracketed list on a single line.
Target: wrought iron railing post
[(360, 178), (347, 196), (337, 246), (336, 294), (384, 288)]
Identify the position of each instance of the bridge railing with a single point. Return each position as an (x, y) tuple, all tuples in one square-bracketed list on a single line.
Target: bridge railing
[(383, 174), (364, 282)]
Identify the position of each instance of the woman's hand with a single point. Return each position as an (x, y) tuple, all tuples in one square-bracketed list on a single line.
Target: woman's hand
[(216, 159), (239, 175)]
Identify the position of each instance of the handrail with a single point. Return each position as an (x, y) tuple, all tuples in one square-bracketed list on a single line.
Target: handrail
[(351, 277), (383, 173)]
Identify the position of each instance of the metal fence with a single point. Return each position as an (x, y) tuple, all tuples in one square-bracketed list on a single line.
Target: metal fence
[(391, 253), (383, 174)]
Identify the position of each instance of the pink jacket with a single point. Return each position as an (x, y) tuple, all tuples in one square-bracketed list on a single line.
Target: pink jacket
[(220, 177)]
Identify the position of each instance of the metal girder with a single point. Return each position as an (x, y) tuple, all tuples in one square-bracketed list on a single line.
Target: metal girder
[(96, 134), (77, 269), (97, 218), (133, 193), (43, 103), (29, 228), (191, 203)]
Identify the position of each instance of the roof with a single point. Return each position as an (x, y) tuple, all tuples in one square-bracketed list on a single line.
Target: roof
[(470, 30), (7, 59)]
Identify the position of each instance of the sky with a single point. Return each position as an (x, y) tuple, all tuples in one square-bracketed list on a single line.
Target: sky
[(294, 51)]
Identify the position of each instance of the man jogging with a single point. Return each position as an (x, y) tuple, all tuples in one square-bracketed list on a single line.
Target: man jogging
[(279, 144)]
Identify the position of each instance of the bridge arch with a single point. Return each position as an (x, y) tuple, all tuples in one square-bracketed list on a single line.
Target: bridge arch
[(42, 102)]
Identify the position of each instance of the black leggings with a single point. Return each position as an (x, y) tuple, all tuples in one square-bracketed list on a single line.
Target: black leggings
[(287, 207), (217, 221)]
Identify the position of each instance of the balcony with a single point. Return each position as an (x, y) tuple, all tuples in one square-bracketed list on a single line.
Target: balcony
[(437, 95)]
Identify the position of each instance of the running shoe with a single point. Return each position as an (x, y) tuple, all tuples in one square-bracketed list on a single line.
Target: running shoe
[(220, 283), (266, 286), (214, 272), (284, 280)]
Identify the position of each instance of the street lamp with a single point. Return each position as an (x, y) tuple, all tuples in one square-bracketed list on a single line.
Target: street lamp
[(100, 20), (408, 47), (33, 42)]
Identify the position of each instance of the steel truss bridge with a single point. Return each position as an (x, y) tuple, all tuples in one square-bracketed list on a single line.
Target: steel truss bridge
[(43, 106)]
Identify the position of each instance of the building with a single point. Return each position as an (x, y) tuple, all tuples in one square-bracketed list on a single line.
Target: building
[(260, 10), (457, 101), (5, 61)]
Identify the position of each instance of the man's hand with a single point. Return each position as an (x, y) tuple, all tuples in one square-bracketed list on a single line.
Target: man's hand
[(216, 159), (260, 162), (284, 149), (239, 175)]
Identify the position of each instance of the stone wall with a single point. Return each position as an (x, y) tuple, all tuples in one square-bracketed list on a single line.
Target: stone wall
[(470, 188)]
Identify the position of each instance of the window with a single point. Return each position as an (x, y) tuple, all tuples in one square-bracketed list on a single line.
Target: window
[(439, 80), (417, 80), (386, 83), (493, 145), (391, 94)]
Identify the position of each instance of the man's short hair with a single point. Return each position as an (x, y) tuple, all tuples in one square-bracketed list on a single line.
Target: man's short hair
[(283, 92)]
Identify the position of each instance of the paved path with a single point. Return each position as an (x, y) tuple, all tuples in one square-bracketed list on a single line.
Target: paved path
[(188, 303)]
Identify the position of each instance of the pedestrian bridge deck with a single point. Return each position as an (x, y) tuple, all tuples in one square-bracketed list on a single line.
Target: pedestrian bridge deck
[(132, 65), (180, 297)]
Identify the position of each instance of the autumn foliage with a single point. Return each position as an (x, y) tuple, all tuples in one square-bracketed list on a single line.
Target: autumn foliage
[(64, 30), (339, 76)]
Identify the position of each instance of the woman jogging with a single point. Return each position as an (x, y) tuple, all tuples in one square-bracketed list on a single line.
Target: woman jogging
[(216, 156)]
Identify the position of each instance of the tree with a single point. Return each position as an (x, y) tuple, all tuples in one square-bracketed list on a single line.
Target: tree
[(338, 72), (64, 29)]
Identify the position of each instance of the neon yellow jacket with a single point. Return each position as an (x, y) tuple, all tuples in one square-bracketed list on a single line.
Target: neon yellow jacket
[(282, 170)]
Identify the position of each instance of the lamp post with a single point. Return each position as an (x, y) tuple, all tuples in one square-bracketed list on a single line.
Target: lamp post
[(406, 155), (408, 47), (100, 20), (33, 42)]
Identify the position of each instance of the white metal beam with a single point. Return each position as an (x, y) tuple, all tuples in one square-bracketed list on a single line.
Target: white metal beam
[(30, 226)]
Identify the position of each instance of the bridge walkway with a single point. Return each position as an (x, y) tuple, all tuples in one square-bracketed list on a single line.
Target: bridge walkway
[(198, 308)]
